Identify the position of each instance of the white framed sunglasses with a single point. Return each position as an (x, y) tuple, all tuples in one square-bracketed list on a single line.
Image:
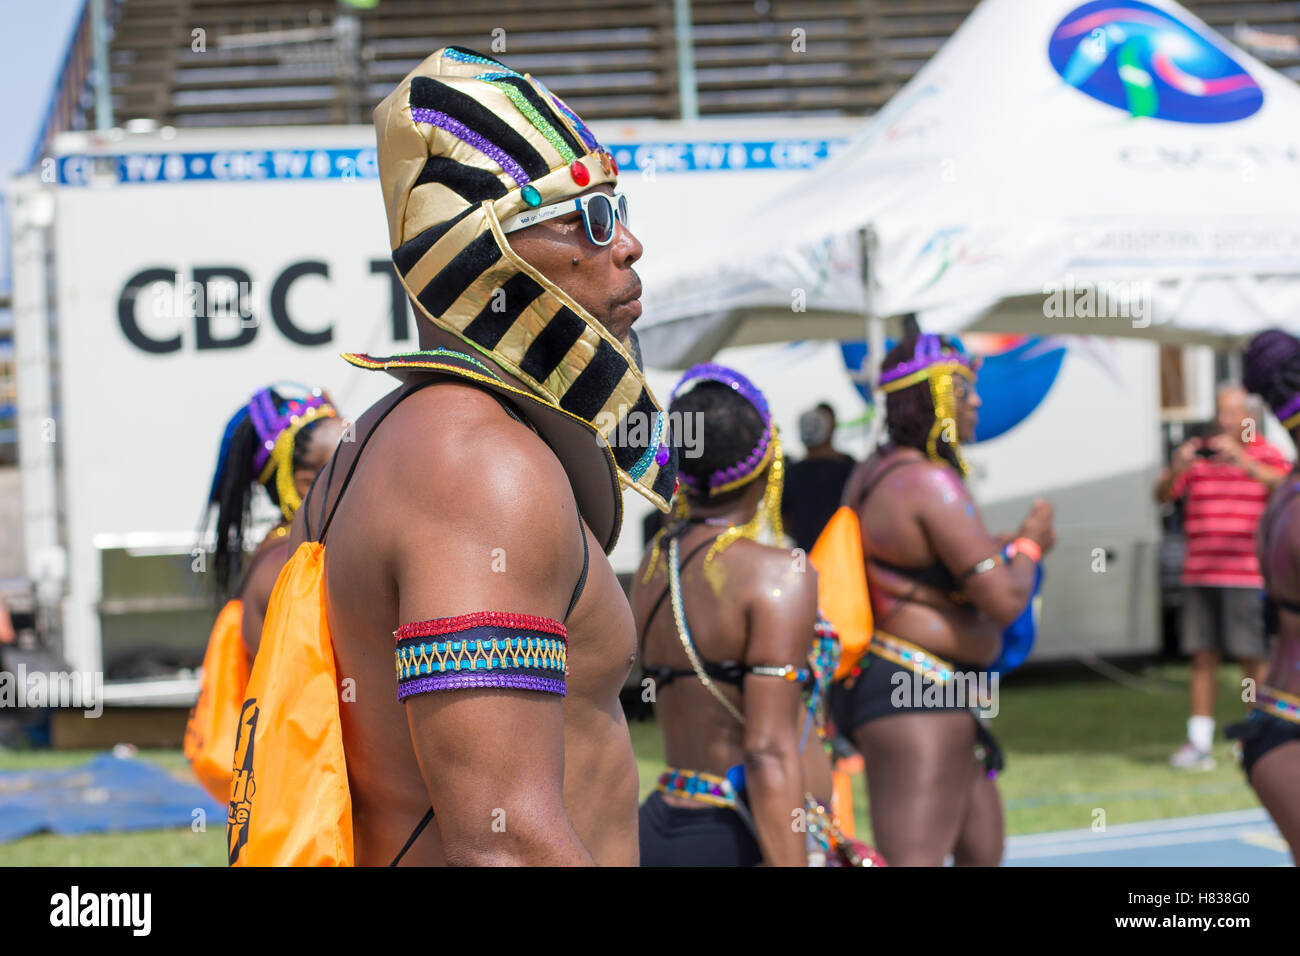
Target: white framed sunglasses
[(599, 213)]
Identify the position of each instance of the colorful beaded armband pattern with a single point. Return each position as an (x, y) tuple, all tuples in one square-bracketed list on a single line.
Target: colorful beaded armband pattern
[(483, 649)]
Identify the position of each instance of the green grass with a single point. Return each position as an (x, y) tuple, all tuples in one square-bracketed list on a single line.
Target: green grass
[(1075, 746), (1075, 742)]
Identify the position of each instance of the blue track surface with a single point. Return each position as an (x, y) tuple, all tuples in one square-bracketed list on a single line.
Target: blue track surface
[(1239, 838)]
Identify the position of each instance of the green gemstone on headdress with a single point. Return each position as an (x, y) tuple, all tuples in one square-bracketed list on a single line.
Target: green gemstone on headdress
[(531, 195)]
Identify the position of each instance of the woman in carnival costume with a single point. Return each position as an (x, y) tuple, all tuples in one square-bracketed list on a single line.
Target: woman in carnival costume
[(941, 591), (279, 441), (734, 653), (1271, 734)]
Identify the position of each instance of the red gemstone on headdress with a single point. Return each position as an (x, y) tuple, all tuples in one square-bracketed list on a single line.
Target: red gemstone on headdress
[(614, 163), (579, 172)]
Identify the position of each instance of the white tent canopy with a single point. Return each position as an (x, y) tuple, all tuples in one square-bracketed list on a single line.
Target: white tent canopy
[(992, 194)]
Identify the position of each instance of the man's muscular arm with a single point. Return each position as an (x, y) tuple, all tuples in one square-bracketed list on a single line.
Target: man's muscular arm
[(485, 521)]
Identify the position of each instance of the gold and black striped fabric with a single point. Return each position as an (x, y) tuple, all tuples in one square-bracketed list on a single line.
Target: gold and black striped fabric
[(464, 144)]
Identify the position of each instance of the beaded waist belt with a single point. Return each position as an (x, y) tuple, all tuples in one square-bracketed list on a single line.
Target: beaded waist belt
[(911, 656), (693, 785), (1278, 704)]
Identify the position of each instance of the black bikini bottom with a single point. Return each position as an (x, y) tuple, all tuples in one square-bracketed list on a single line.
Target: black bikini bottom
[(1259, 733), (710, 836), (877, 692)]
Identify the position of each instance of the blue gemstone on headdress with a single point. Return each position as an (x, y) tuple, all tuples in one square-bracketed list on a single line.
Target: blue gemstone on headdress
[(531, 195)]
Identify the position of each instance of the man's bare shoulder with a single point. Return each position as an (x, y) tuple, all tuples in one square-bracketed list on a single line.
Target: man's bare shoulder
[(456, 464), (455, 442)]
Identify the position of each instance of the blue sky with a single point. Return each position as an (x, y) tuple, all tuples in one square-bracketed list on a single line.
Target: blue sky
[(32, 44)]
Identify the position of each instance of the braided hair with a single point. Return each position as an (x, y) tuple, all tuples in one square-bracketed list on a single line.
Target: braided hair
[(731, 428), (234, 485), (909, 412), (1271, 369)]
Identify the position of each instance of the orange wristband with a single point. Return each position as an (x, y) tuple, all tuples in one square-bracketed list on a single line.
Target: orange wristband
[(1028, 547)]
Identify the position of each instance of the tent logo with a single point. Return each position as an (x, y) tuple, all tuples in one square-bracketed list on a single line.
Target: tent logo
[(1138, 58)]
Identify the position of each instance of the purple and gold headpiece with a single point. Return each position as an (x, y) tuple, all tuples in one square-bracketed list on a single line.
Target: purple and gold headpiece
[(937, 363), (735, 475), (277, 426), (930, 356), (270, 421), (764, 458), (1269, 356), (1289, 414)]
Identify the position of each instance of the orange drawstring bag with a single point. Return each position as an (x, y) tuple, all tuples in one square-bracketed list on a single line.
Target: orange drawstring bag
[(210, 730), (289, 799), (842, 586)]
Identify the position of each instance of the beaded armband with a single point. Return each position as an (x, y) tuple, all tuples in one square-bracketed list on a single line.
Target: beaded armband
[(483, 649)]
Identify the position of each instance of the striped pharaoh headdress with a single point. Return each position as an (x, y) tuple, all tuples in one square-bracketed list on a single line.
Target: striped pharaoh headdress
[(465, 143)]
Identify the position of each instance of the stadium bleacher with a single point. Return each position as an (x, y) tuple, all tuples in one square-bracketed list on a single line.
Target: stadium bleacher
[(293, 62)]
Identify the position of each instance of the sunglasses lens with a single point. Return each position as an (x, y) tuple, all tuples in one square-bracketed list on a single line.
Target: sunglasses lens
[(622, 210), (600, 218)]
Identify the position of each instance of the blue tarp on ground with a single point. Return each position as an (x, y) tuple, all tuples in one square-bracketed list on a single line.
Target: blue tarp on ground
[(106, 794)]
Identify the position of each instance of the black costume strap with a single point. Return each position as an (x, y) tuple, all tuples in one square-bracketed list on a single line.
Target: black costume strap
[(306, 514), (352, 466), (664, 596), (878, 477), (586, 562), (415, 834), (728, 672)]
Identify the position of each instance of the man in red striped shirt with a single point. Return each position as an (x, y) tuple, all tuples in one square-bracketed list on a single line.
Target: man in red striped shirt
[(1225, 481)]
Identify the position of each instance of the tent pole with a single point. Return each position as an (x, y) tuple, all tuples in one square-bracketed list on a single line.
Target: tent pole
[(875, 340), (875, 347), (875, 323)]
